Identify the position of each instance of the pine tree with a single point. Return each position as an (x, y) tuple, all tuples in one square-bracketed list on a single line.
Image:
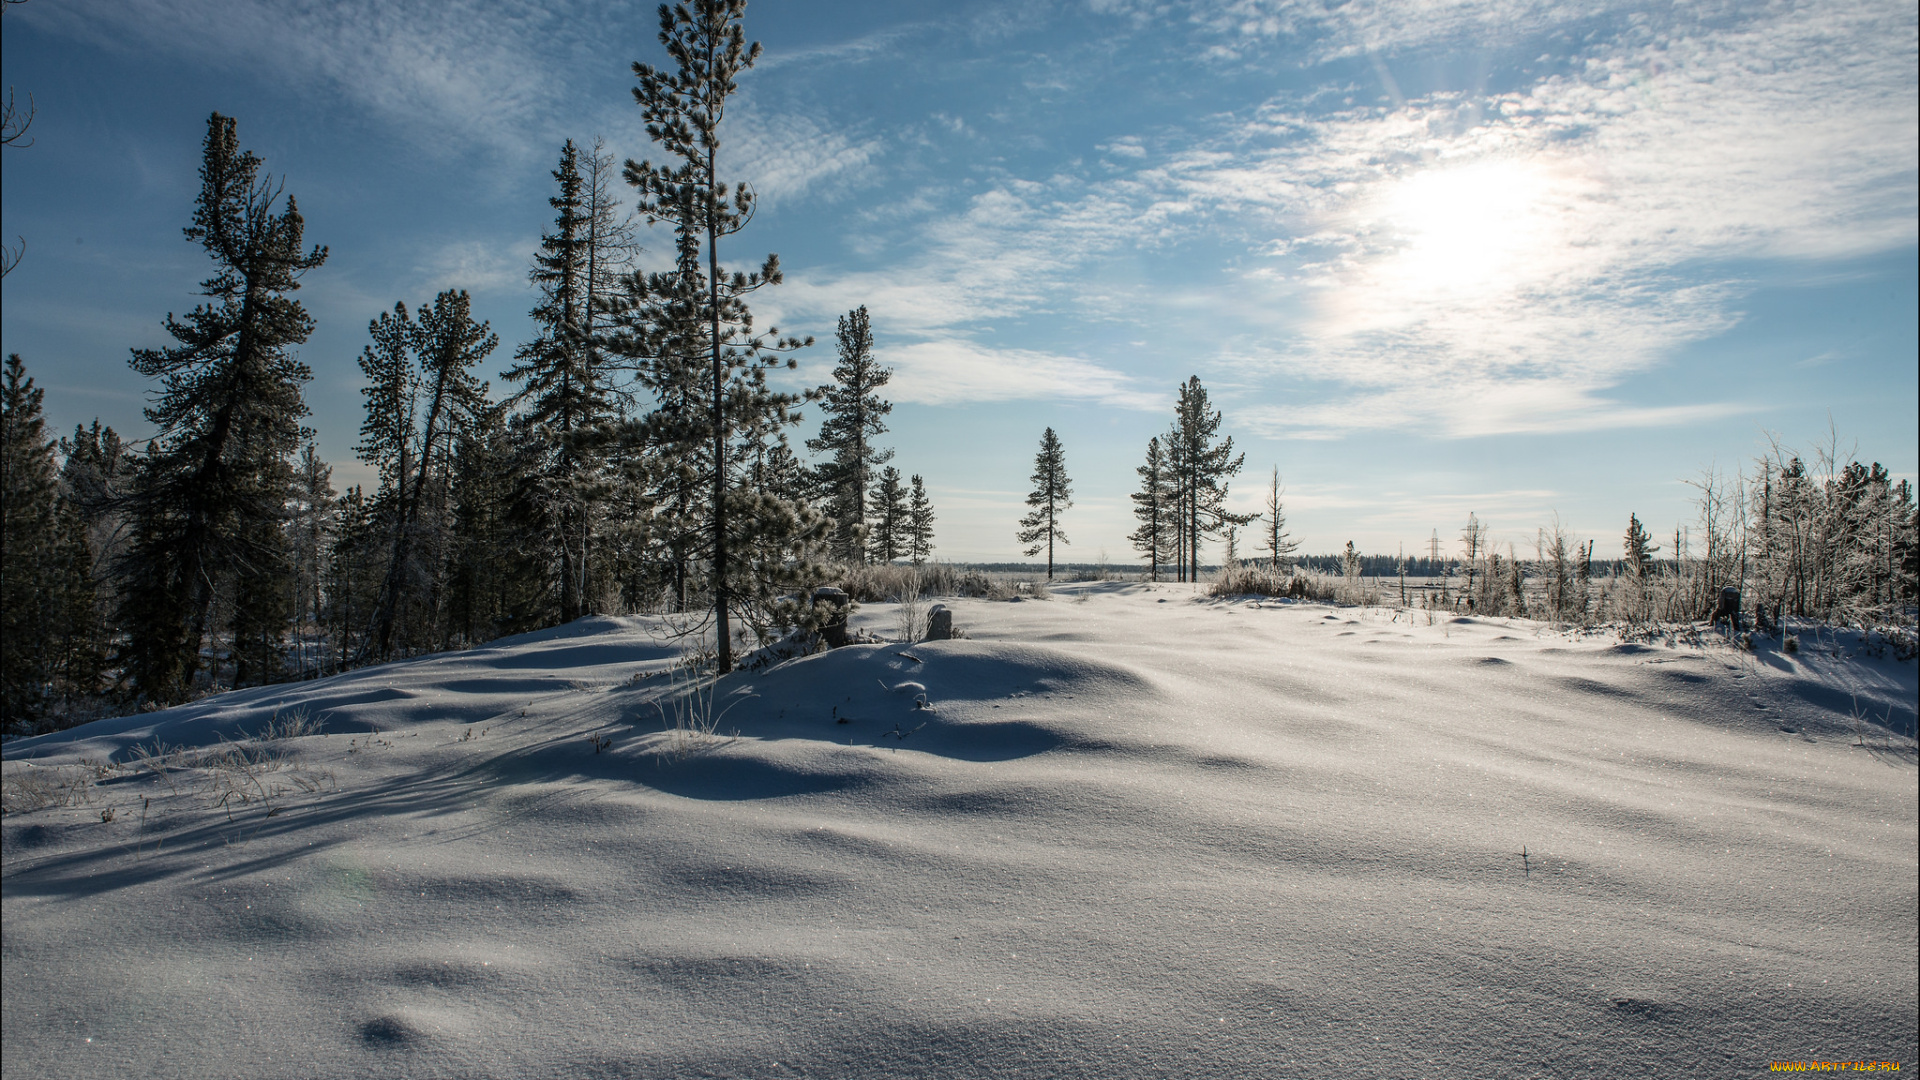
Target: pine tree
[(919, 523), (392, 394), (1279, 544), (662, 460), (1052, 495), (1202, 468), (210, 499), (684, 110), (415, 414), (855, 415), (90, 522), (312, 529), (355, 571), (262, 584), (888, 538), (485, 592)]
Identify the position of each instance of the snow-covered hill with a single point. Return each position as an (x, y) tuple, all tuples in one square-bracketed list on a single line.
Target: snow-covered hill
[(1128, 831)]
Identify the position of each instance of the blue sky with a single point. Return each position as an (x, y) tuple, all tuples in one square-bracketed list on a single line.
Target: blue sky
[(1525, 259)]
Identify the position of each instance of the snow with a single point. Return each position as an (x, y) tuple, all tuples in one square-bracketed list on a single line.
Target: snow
[(1130, 831)]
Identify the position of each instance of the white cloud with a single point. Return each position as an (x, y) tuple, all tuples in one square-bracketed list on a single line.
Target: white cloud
[(1496, 266), (1465, 266), (954, 372), (478, 266), (787, 155)]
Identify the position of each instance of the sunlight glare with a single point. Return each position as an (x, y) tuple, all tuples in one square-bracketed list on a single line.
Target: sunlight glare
[(1466, 228)]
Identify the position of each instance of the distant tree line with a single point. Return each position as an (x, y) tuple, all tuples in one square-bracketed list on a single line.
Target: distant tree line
[(637, 460)]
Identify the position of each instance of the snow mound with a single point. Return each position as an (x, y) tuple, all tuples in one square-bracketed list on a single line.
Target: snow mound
[(1104, 835)]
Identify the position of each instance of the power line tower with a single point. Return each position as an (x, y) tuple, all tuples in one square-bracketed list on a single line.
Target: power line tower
[(1433, 553)]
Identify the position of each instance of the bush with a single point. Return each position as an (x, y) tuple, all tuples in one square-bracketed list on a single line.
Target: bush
[(887, 582), (1259, 581)]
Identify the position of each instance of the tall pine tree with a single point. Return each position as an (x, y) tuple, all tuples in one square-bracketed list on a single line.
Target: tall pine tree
[(421, 397), (684, 110), (212, 494), (1201, 467)]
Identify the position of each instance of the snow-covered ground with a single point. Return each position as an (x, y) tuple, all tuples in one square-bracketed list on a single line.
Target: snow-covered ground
[(1125, 832)]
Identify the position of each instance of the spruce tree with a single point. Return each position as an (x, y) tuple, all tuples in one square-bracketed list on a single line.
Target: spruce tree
[(564, 388), (888, 539), (1638, 548), (919, 523), (1052, 496), (209, 499), (28, 551), (684, 110), (855, 415), (1153, 507)]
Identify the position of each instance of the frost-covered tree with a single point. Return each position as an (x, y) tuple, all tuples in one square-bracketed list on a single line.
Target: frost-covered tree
[(1052, 496)]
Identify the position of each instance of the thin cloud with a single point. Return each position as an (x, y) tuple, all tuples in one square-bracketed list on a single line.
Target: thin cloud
[(964, 373), (452, 75), (478, 266), (789, 155), (1484, 266)]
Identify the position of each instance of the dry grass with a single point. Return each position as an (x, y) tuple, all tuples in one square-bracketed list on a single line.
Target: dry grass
[(25, 786), (686, 707), (1298, 585), (875, 584), (258, 770)]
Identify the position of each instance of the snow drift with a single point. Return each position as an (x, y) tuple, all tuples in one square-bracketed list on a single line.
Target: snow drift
[(1126, 832)]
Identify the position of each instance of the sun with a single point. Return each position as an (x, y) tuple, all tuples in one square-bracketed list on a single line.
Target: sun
[(1465, 228)]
